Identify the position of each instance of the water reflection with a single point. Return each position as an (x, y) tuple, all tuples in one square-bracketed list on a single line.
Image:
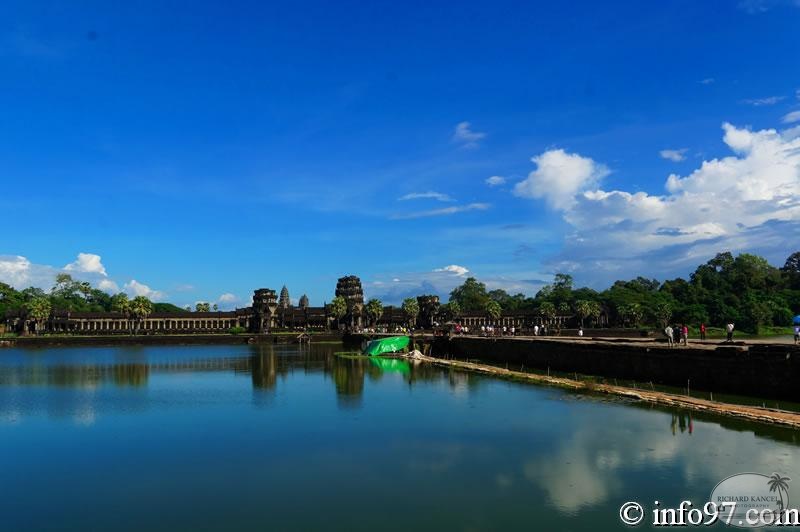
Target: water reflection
[(266, 365), (460, 450)]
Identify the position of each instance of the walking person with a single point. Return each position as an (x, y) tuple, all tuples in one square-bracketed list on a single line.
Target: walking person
[(685, 335), (703, 332), (536, 330), (729, 329), (668, 333)]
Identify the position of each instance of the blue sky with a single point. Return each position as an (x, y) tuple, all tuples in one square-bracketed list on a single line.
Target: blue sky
[(202, 150)]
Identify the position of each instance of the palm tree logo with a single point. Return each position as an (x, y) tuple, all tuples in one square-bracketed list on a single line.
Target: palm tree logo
[(780, 485)]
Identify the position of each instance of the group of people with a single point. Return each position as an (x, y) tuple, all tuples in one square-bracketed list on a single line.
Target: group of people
[(491, 330), (682, 333)]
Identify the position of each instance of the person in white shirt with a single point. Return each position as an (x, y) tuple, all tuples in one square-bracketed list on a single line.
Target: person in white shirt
[(729, 329), (536, 330)]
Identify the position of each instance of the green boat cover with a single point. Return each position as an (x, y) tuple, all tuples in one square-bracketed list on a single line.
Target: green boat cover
[(392, 344)]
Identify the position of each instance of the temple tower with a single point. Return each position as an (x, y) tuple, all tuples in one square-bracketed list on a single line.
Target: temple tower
[(264, 306), (350, 289)]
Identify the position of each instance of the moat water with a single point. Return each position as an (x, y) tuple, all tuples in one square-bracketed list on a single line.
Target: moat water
[(290, 438)]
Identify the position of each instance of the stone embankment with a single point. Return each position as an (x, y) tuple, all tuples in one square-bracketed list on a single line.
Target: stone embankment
[(749, 413), (769, 370)]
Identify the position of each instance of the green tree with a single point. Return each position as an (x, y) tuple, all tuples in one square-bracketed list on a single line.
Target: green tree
[(548, 311), (411, 309), (141, 308), (120, 303), (662, 312), (493, 310), (202, 307), (39, 310), (374, 310), (338, 308), (470, 296), (583, 309)]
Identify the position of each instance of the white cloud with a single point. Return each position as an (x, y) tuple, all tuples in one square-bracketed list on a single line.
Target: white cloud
[(442, 212), (792, 117), (438, 196), (108, 286), (495, 180), (87, 263), (228, 298), (20, 272), (454, 268), (706, 81), (559, 176), (674, 155), (467, 138), (769, 100), (135, 288), (750, 201)]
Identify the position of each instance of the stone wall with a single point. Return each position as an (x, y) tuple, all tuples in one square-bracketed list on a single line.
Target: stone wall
[(768, 371)]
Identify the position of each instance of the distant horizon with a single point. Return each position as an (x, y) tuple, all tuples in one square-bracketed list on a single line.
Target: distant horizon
[(148, 151)]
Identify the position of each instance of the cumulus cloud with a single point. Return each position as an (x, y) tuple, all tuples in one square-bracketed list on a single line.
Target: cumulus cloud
[(228, 298), (442, 212), (466, 137), (87, 263), (20, 272), (559, 176), (674, 155), (438, 196), (108, 286), (135, 288), (495, 180), (769, 100), (454, 268), (792, 117), (749, 200)]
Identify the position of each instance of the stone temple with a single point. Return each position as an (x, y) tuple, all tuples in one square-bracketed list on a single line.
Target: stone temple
[(267, 312)]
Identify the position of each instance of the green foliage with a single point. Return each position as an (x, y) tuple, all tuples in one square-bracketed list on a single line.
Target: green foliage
[(202, 307), (470, 296), (374, 309), (548, 311), (237, 330), (167, 307), (338, 307), (493, 310), (411, 309), (39, 310)]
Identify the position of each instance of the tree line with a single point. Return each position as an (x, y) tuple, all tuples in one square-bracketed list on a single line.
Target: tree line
[(744, 289)]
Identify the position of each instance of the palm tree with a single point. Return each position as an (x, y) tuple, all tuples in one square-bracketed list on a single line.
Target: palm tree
[(375, 309), (493, 310), (779, 484), (594, 311), (548, 311), (583, 309), (455, 308), (411, 309), (120, 303), (39, 309), (141, 307), (338, 308), (202, 307)]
